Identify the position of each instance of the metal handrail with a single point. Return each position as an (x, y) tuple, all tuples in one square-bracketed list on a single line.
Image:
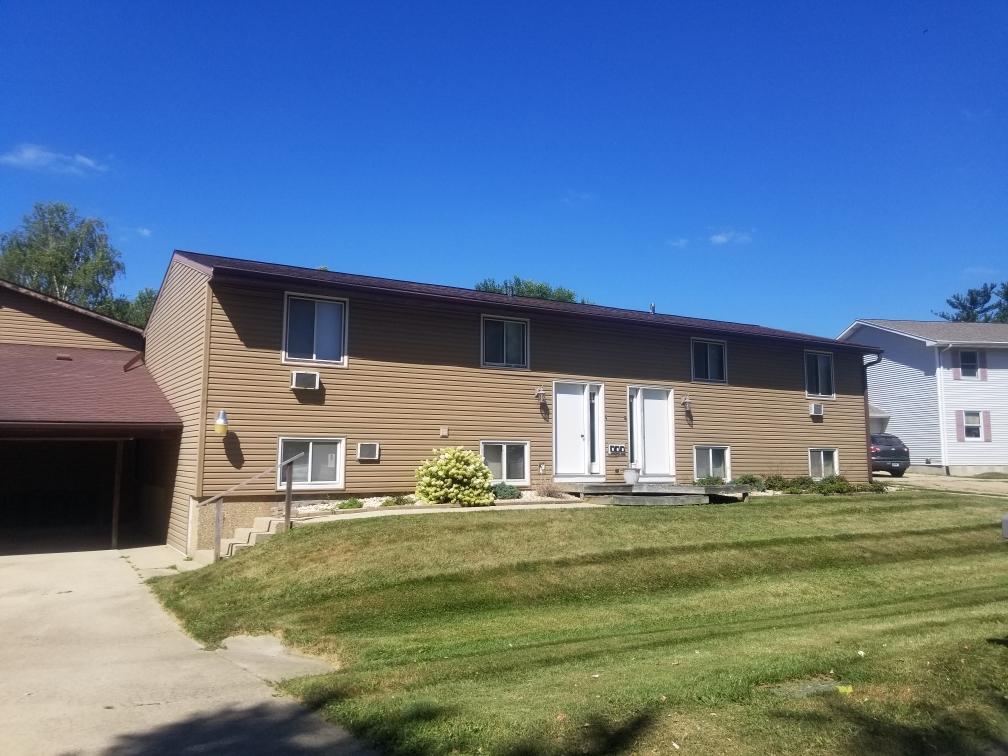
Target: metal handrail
[(218, 500)]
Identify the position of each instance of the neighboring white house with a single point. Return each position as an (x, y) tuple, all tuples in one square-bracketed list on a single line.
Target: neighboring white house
[(944, 387)]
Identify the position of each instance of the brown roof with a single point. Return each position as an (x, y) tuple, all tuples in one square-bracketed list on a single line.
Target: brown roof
[(944, 331), (230, 267), (77, 388)]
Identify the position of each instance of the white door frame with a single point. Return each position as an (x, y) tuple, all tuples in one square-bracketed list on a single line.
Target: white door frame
[(638, 427), (600, 458)]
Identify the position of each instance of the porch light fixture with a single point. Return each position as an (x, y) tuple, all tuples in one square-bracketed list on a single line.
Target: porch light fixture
[(221, 424), (540, 394), (687, 403)]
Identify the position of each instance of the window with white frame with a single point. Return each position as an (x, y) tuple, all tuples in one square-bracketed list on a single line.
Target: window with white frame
[(709, 361), (973, 426), (969, 364), (505, 342), (712, 461), (320, 465), (315, 329), (508, 461), (819, 374), (823, 463)]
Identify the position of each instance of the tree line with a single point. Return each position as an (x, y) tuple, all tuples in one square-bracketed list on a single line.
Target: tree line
[(57, 252)]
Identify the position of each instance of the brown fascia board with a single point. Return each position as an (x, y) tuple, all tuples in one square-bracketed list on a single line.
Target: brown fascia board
[(466, 296), (19, 289)]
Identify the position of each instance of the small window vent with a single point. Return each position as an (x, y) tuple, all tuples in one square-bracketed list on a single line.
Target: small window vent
[(368, 452), (816, 409), (304, 380)]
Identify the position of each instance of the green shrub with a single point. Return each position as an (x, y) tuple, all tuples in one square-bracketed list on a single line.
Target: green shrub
[(352, 503), (454, 476), (832, 485), (709, 480), (775, 482), (399, 500), (755, 482), (799, 485), (505, 491)]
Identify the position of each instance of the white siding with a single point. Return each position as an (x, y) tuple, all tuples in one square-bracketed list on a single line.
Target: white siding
[(990, 395), (904, 385)]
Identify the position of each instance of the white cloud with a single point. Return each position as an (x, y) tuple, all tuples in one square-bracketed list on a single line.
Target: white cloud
[(34, 157), (145, 232), (730, 237), (679, 243)]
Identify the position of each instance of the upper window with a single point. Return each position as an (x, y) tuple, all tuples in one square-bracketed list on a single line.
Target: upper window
[(708, 361), (508, 461), (505, 342), (319, 466), (819, 374), (972, 426), (969, 364), (315, 330), (823, 463), (711, 461)]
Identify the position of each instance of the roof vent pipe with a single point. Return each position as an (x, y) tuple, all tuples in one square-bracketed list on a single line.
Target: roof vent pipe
[(652, 308)]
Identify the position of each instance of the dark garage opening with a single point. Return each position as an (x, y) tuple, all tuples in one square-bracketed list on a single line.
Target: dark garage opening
[(61, 494)]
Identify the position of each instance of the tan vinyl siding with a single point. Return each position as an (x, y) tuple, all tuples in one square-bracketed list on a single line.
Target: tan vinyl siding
[(175, 357), (24, 319), (414, 367)]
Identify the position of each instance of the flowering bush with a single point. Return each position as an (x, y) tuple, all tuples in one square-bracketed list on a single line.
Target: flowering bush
[(454, 476)]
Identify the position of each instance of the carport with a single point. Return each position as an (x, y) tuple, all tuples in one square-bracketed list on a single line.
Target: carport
[(87, 449)]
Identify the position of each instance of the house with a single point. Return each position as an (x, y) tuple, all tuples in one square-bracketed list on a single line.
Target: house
[(84, 430), (944, 387), (364, 376)]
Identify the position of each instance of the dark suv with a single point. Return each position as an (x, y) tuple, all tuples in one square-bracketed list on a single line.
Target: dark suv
[(890, 454)]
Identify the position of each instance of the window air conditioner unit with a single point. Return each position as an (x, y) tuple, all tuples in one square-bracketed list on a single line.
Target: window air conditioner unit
[(816, 409), (368, 452), (304, 380)]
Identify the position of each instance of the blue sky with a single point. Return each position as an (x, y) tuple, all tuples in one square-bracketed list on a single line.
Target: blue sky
[(791, 164)]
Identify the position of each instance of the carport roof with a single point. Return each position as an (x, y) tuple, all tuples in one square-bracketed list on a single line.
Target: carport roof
[(47, 390)]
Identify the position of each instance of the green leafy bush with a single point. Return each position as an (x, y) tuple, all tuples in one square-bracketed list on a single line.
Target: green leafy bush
[(833, 484), (799, 485), (775, 482), (399, 500), (755, 482), (505, 491), (454, 476), (352, 503), (710, 480)]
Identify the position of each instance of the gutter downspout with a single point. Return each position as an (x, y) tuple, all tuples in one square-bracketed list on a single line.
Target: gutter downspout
[(941, 405), (867, 417)]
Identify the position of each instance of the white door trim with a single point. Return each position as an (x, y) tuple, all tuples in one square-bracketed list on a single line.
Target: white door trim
[(638, 425), (587, 477)]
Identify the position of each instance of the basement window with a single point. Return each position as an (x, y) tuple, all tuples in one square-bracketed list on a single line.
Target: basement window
[(711, 461), (823, 463), (508, 461), (320, 466)]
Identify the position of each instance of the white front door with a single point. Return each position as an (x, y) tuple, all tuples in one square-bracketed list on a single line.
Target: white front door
[(651, 433), (577, 429)]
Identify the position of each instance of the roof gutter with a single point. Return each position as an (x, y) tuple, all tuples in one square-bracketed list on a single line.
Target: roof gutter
[(867, 412)]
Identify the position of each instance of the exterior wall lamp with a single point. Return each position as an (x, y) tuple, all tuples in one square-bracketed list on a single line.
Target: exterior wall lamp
[(540, 394), (221, 424), (687, 404)]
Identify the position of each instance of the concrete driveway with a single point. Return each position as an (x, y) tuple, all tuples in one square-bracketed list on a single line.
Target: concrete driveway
[(90, 663), (951, 484)]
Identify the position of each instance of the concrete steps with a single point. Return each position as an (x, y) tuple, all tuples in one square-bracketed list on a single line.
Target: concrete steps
[(262, 529)]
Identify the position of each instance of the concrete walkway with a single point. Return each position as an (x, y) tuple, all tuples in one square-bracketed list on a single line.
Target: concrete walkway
[(359, 514), (950, 484), (92, 664)]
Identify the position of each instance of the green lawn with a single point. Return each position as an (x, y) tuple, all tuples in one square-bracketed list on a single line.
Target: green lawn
[(680, 630)]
